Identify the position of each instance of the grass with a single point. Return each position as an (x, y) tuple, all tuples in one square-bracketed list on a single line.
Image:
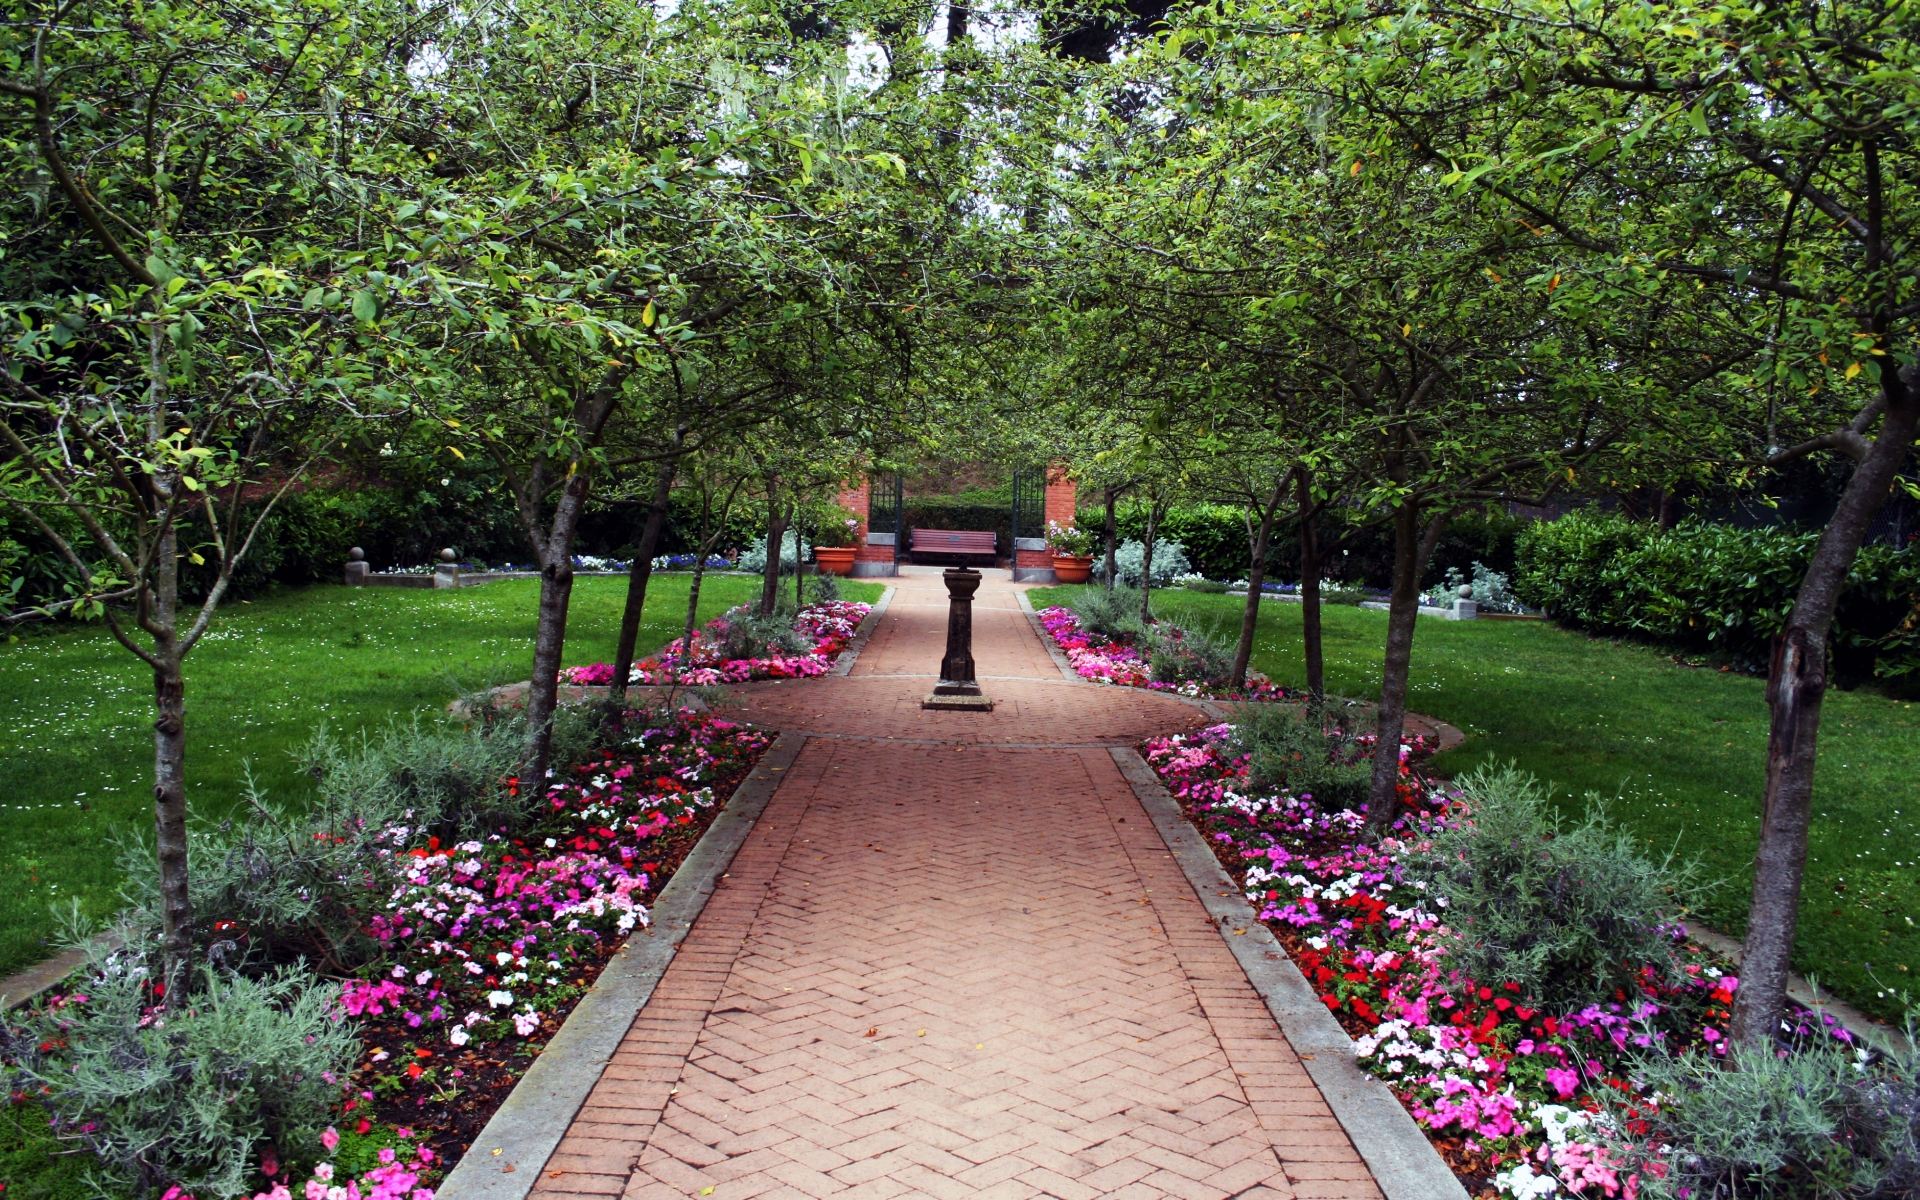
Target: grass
[(1678, 752), (76, 741)]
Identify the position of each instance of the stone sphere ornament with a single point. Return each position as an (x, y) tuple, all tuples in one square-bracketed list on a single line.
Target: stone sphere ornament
[(447, 555)]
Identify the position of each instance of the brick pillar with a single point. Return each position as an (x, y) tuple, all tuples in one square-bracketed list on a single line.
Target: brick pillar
[(857, 497)]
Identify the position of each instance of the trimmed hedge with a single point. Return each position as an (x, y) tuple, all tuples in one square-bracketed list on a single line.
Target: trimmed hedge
[(1215, 537), (1717, 588)]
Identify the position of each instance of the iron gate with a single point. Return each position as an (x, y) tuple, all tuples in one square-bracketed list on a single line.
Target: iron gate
[(1029, 507), (887, 510)]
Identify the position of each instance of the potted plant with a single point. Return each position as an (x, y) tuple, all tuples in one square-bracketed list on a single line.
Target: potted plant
[(833, 542), (1072, 550)]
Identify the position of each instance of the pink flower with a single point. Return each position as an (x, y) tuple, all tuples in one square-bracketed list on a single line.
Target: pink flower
[(329, 1139)]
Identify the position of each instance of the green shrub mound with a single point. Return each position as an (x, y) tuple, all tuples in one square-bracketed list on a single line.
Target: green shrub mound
[(1290, 749), (1570, 912), (1714, 587), (184, 1100), (1112, 613), (1177, 655)]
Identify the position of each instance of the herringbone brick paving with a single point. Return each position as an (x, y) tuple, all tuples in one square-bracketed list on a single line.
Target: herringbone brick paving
[(955, 971)]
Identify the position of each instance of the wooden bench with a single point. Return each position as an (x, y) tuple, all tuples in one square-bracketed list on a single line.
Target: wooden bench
[(963, 544)]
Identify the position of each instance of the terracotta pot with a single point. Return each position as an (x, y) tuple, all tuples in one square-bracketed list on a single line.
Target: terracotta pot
[(1072, 568), (834, 560)]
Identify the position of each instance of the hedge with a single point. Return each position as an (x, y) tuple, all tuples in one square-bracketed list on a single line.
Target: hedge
[(1215, 537), (1717, 588)]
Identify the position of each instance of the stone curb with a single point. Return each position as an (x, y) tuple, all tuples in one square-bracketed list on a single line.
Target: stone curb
[(16, 990), (844, 664), (1403, 1162), (1805, 992), (507, 1157)]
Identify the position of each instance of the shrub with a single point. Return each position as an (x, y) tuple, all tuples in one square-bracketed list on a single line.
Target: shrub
[(1816, 1121), (1569, 912), (822, 589), (1716, 587), (184, 1097), (747, 634), (1180, 655), (1169, 562), (1289, 749), (1490, 589), (1112, 613), (273, 885), (753, 559)]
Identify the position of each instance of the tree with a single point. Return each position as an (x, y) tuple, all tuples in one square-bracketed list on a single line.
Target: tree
[(1758, 157), (164, 382)]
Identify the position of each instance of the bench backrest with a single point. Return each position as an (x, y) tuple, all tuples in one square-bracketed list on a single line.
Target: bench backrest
[(953, 541)]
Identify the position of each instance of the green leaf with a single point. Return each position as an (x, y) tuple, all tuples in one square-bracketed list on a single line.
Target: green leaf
[(366, 307)]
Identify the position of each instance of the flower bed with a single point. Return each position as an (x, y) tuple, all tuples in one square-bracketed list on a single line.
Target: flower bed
[(1104, 660), (829, 625), (1518, 1099), (480, 949), (489, 944)]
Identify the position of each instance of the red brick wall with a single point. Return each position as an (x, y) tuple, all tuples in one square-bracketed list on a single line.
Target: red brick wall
[(1062, 495)]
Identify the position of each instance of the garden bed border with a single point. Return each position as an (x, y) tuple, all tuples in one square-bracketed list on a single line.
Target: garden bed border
[(843, 665), (1395, 1149), (506, 1158)]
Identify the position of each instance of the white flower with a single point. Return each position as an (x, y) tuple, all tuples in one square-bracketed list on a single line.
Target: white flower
[(399, 972), (1522, 1184), (472, 1019), (503, 958), (474, 968), (422, 977), (525, 1023), (458, 1037), (499, 999), (551, 843)]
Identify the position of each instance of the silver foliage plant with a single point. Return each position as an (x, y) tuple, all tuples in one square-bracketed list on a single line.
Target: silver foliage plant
[(185, 1095), (1169, 562)]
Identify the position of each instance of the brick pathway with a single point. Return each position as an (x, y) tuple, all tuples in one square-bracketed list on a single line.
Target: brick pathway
[(946, 968)]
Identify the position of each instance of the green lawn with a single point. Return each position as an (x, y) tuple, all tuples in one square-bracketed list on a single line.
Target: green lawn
[(1680, 752), (76, 743)]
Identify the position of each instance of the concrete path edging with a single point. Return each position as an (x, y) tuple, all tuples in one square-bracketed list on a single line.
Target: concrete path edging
[(1403, 1162), (507, 1157), (844, 664)]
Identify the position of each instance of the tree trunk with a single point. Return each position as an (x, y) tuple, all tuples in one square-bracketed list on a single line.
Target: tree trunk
[(550, 633), (693, 611), (1146, 565), (776, 533), (1412, 547), (1113, 531), (1796, 686), (641, 571), (170, 768), (1310, 645), (1256, 580)]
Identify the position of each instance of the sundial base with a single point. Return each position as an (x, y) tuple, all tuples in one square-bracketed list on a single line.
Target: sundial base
[(961, 702)]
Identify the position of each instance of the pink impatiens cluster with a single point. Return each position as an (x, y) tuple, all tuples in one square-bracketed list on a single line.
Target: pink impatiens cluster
[(1531, 1090), (828, 624), (1104, 660)]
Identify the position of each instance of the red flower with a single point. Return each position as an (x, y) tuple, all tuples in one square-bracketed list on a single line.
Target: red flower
[(363, 1126)]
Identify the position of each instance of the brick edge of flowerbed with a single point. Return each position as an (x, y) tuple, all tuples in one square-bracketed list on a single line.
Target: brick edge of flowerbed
[(1046, 639), (1402, 1160), (507, 1157)]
